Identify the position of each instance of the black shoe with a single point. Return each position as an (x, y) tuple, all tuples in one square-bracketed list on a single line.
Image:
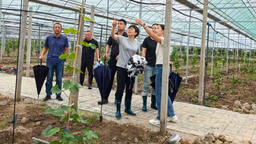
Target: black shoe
[(59, 98), (47, 98), (103, 102), (90, 86)]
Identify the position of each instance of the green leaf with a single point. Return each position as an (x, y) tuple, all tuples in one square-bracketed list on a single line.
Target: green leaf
[(88, 19), (63, 107), (81, 120), (78, 138), (63, 138), (67, 84), (75, 117), (58, 112), (69, 68), (77, 7), (73, 111), (48, 110), (66, 31), (78, 70), (55, 89), (72, 56), (68, 135), (75, 31), (70, 30), (46, 131), (55, 142), (54, 131), (90, 134), (84, 43), (73, 88), (65, 118), (93, 46), (78, 85), (64, 56)]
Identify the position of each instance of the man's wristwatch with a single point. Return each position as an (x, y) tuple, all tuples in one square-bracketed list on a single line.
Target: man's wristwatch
[(143, 24)]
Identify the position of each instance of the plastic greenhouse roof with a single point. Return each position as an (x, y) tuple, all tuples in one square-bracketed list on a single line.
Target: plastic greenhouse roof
[(242, 17)]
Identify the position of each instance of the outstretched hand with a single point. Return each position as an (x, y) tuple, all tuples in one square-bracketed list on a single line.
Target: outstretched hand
[(139, 21), (114, 23)]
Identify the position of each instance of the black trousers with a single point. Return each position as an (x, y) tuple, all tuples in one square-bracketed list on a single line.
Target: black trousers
[(113, 67), (89, 66), (122, 81)]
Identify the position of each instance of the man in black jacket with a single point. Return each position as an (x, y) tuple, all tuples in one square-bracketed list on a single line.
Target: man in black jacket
[(113, 56), (88, 58)]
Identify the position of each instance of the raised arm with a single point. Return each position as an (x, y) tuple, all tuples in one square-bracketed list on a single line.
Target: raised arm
[(113, 35), (149, 31)]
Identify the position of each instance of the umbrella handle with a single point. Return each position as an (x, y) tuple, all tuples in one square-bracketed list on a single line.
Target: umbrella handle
[(41, 62)]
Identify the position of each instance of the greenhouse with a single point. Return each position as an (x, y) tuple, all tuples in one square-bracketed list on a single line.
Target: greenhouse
[(186, 70)]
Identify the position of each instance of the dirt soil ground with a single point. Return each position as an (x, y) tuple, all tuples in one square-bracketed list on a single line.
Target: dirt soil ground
[(243, 91), (37, 121)]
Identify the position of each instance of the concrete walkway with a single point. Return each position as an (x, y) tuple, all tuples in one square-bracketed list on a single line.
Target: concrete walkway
[(193, 119)]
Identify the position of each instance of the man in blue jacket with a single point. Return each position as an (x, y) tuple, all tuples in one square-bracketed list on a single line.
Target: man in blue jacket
[(56, 44)]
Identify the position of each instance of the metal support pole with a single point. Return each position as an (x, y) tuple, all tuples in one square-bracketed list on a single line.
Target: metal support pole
[(29, 41), (214, 39), (180, 47), (38, 41), (188, 46), (165, 74), (101, 35), (250, 53), (227, 52), (107, 20), (237, 52), (3, 41), (92, 17), (40, 37), (245, 49), (202, 55), (21, 49)]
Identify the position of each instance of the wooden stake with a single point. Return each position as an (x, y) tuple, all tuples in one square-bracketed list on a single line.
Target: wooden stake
[(77, 43)]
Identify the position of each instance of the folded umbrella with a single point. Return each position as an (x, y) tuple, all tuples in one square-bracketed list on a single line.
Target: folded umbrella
[(174, 83), (102, 75), (175, 80), (40, 73)]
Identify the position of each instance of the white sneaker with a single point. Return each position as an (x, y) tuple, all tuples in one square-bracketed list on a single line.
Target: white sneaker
[(154, 121), (172, 119)]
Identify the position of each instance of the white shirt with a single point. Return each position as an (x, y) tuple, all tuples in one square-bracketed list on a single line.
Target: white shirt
[(159, 52)]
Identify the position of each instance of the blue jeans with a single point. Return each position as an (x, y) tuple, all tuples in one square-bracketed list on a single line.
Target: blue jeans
[(149, 71), (170, 110), (58, 68)]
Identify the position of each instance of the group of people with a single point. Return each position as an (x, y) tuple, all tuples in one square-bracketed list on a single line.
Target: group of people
[(123, 46)]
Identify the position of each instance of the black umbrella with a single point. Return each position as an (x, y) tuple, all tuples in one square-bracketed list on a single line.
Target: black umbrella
[(174, 83), (176, 80), (40, 73), (102, 75)]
